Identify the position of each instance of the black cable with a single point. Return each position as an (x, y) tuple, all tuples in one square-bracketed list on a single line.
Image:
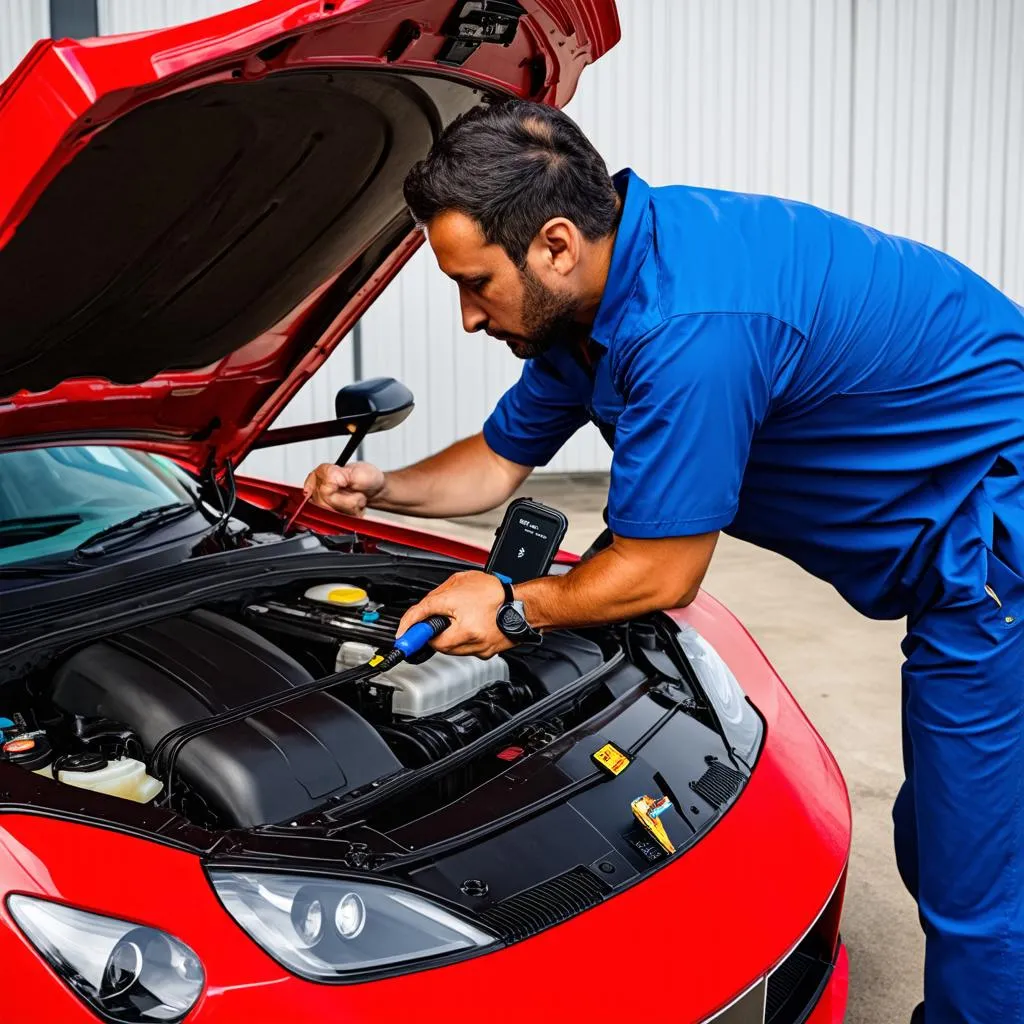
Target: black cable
[(169, 747)]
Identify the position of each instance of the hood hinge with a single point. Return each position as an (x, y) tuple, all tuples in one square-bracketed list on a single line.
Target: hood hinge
[(473, 22)]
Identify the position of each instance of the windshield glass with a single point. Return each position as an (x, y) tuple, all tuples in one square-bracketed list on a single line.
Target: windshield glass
[(53, 499)]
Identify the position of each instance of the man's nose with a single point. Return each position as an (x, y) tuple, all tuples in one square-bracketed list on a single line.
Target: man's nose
[(473, 317)]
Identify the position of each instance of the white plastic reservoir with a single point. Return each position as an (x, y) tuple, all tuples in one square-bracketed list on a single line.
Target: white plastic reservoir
[(124, 777), (439, 683)]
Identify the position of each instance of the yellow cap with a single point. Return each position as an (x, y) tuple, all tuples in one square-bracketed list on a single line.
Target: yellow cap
[(343, 594), (348, 596)]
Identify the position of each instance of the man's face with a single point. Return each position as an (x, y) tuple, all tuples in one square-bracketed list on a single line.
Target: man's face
[(528, 309)]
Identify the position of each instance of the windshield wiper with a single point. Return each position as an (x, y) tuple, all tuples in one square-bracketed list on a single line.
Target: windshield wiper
[(29, 571), (25, 529), (124, 532)]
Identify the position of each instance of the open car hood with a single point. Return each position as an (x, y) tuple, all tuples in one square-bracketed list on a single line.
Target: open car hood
[(191, 219)]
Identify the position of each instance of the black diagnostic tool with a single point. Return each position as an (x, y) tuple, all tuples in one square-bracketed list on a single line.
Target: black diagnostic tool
[(527, 541)]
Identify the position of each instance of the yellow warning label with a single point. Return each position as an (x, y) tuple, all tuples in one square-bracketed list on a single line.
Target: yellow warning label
[(611, 759), (375, 660)]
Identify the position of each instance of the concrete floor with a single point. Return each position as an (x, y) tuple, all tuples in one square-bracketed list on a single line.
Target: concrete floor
[(845, 672)]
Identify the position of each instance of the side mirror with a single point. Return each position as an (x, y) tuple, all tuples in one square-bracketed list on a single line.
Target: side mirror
[(369, 406), (360, 409)]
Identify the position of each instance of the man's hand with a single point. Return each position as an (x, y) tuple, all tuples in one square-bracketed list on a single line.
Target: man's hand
[(466, 477), (348, 489), (471, 600)]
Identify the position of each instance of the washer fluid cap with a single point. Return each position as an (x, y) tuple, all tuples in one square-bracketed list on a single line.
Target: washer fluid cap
[(343, 595), (87, 762)]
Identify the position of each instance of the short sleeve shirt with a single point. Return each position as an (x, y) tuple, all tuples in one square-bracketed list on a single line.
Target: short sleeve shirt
[(791, 376)]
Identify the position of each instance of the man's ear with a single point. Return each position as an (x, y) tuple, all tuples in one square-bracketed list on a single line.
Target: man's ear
[(560, 246)]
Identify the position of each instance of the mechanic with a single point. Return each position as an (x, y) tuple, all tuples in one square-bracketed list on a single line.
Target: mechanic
[(852, 400)]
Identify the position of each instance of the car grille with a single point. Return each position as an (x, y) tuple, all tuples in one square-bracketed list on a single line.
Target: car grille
[(544, 905), (794, 988), (796, 985)]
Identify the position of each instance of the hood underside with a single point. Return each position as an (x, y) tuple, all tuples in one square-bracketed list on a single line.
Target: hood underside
[(195, 223), (190, 248)]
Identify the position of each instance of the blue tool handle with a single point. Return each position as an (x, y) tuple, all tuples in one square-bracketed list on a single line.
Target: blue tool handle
[(418, 636)]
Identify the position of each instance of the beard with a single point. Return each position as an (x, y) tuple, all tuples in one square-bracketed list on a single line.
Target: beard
[(547, 318)]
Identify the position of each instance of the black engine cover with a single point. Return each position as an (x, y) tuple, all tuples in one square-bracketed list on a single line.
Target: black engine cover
[(267, 768)]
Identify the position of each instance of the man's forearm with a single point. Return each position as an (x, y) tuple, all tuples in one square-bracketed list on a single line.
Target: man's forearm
[(630, 578), (627, 579), (465, 478)]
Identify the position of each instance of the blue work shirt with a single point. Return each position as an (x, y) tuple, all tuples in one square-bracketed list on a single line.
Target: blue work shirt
[(789, 376)]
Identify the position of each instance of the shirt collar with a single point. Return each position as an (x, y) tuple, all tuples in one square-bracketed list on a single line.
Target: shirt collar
[(632, 241)]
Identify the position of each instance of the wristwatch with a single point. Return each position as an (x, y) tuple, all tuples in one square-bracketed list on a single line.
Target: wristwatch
[(511, 620)]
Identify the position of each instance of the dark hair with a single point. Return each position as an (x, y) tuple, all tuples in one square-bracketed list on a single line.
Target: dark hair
[(513, 167)]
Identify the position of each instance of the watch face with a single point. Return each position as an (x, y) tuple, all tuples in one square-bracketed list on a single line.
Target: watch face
[(510, 620)]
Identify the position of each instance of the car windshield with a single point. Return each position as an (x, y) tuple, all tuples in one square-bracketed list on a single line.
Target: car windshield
[(54, 499)]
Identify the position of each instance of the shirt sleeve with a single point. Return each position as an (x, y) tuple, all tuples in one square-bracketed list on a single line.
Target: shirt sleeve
[(535, 417), (695, 392)]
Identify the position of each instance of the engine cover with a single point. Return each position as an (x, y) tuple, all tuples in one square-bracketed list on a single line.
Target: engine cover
[(264, 769)]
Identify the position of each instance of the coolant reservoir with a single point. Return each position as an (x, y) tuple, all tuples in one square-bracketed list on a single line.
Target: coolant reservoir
[(125, 777), (439, 683)]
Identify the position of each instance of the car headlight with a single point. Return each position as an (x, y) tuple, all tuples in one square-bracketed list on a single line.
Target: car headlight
[(330, 930), (121, 970), (741, 723)]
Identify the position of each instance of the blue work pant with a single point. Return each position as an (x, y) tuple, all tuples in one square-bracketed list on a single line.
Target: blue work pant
[(959, 817)]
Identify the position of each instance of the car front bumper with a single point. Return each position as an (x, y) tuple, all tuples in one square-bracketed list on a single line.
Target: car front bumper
[(831, 1006)]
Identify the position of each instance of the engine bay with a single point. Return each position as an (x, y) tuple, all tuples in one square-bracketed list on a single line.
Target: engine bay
[(114, 714)]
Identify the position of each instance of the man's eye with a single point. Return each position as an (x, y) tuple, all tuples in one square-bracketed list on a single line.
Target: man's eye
[(478, 284)]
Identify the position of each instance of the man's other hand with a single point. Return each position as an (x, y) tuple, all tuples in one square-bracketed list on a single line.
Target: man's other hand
[(348, 489)]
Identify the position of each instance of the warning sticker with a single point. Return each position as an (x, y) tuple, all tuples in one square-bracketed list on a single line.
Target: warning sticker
[(611, 759)]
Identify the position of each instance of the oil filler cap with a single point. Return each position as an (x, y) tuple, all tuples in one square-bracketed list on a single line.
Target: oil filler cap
[(31, 752), (21, 746)]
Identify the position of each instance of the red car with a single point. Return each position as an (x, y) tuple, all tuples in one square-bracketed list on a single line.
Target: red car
[(211, 808)]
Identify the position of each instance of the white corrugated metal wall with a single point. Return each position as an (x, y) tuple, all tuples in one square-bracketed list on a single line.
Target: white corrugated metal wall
[(22, 22), (906, 114), (137, 15)]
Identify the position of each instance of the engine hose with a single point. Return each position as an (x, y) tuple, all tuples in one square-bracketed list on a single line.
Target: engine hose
[(491, 708), (421, 738), (442, 743), (518, 694), (401, 736), (449, 731)]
